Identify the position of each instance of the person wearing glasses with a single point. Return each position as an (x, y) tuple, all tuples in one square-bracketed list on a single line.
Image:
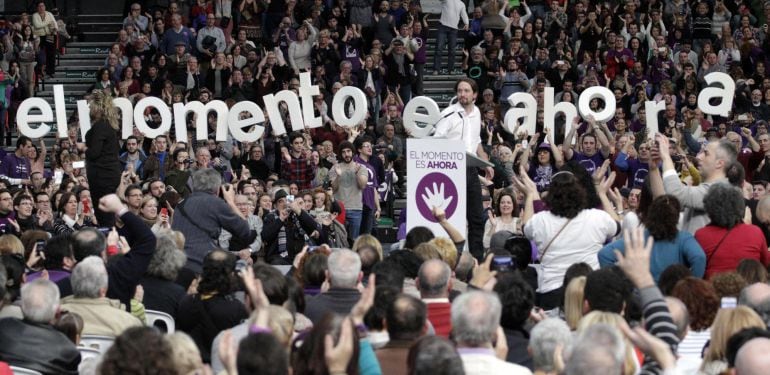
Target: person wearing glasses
[(136, 18)]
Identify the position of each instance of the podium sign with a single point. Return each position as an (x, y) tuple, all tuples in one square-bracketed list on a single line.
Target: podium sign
[(436, 178)]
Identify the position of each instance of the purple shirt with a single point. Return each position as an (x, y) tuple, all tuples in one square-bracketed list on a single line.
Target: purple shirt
[(367, 196), (421, 55), (590, 163), (15, 167)]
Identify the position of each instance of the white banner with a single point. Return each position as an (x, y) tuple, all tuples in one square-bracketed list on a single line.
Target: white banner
[(437, 178)]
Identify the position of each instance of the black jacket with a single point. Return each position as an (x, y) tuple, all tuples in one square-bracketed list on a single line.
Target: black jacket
[(126, 271), (337, 300), (38, 347), (103, 152), (295, 239)]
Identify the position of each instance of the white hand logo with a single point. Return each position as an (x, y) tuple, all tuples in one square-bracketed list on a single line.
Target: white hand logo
[(436, 197)]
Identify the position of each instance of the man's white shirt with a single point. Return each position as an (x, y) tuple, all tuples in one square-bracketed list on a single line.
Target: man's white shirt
[(456, 124)]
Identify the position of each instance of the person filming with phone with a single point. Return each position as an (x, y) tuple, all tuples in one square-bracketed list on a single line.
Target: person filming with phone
[(202, 216)]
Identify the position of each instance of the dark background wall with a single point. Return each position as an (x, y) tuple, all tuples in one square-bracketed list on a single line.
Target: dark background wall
[(66, 7)]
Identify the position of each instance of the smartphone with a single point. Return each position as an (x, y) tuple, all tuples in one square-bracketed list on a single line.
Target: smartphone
[(78, 164), (240, 265), (40, 247), (105, 230), (289, 198), (57, 177), (502, 263), (86, 206), (164, 211), (662, 49), (525, 143), (311, 249)]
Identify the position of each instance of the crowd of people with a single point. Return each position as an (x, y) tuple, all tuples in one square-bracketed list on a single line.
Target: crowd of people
[(268, 257)]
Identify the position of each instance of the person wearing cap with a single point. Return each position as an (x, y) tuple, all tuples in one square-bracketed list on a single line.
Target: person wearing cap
[(546, 161), (286, 229)]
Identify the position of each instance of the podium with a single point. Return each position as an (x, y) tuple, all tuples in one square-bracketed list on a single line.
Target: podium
[(471, 160)]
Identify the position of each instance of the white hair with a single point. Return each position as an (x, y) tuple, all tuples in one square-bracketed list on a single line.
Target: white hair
[(89, 277), (475, 318), (543, 340), (598, 350), (344, 268), (40, 301)]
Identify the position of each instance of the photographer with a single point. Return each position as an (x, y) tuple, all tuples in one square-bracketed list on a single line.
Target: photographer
[(179, 177), (286, 229), (203, 215)]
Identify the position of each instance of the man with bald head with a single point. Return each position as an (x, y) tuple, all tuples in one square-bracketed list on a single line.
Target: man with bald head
[(434, 281), (752, 358), (757, 297)]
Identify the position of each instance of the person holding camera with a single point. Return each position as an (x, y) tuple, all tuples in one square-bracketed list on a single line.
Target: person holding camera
[(179, 177), (286, 229), (203, 215)]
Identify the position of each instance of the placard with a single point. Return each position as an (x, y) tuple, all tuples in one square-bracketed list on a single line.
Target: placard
[(437, 177)]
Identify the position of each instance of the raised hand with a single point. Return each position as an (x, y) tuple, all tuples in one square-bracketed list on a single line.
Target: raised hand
[(435, 198)]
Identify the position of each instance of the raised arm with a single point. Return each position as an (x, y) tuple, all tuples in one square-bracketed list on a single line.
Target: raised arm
[(567, 144)]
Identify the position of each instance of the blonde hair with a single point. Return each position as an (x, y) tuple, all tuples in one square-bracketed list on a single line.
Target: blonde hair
[(727, 322), (186, 356), (102, 108), (280, 321), (446, 249), (367, 240), (573, 301), (10, 244), (630, 363), (426, 251)]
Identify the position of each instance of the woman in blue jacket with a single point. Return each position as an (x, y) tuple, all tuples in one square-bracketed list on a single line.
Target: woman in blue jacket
[(672, 246)]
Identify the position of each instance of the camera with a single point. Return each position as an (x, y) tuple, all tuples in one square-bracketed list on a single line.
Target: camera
[(327, 184), (220, 168)]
